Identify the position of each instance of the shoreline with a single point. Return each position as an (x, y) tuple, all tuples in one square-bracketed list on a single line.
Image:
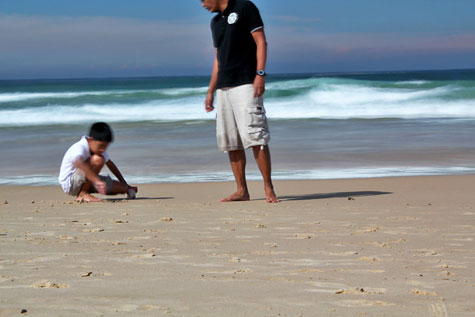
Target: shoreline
[(372, 246), (254, 175), (55, 191)]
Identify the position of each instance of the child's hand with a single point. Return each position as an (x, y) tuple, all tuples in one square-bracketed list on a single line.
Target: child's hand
[(101, 187), (131, 192)]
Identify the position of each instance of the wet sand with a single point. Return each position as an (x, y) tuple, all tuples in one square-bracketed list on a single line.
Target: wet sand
[(377, 247)]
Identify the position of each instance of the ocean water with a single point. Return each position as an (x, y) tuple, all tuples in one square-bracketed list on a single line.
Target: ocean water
[(322, 126)]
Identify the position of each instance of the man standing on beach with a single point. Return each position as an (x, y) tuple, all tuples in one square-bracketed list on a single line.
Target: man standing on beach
[(238, 78)]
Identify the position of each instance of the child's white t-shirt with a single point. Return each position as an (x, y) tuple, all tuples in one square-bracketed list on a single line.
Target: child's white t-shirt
[(79, 150)]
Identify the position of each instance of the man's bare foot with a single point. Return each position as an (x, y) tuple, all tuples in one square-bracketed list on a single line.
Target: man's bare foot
[(271, 197), (237, 197), (87, 197)]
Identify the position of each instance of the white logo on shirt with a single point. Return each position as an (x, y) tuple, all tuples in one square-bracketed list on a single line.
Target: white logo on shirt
[(232, 18)]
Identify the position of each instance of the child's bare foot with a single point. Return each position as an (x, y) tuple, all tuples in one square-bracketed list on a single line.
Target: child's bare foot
[(271, 197), (237, 197), (87, 197)]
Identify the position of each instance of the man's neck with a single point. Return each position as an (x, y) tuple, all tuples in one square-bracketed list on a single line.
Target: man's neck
[(223, 4)]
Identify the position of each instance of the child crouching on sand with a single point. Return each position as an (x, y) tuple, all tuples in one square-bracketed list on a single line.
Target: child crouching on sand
[(82, 162)]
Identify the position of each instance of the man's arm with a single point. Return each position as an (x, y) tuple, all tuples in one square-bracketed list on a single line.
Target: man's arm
[(212, 85), (115, 170), (261, 42)]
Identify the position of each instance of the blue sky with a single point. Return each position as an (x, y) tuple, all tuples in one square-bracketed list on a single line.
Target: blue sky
[(109, 38)]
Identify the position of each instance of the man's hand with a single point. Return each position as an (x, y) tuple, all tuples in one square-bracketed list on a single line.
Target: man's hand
[(209, 102), (259, 86), (101, 187)]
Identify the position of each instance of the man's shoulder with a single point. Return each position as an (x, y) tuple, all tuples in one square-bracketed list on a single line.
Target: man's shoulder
[(215, 20), (243, 4), (245, 8)]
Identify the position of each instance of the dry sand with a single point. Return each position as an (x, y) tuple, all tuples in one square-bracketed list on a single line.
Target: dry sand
[(377, 247)]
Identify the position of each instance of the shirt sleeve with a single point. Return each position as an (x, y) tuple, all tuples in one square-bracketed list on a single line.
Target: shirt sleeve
[(213, 33), (80, 152), (253, 17)]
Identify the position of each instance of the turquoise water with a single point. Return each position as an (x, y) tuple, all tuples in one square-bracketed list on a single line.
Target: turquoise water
[(322, 126)]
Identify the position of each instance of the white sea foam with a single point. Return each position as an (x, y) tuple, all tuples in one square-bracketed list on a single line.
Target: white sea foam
[(182, 91), (152, 111), (296, 84), (354, 95), (291, 109), (39, 180), (308, 98), (412, 82), (351, 101), (22, 96)]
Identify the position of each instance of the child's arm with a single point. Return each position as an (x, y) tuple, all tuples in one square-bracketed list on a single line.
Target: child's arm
[(93, 177), (115, 170)]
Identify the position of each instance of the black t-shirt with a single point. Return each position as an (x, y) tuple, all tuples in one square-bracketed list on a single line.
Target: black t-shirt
[(232, 36)]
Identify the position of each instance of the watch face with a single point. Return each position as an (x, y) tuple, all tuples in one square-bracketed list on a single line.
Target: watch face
[(261, 72)]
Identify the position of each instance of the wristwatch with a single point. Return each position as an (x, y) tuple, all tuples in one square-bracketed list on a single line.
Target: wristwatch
[(261, 72)]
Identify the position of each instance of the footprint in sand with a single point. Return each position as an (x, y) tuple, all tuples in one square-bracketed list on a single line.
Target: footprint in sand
[(243, 271), (422, 292), (4, 278), (322, 287), (347, 253), (362, 303), (359, 271), (424, 252), (438, 310), (48, 284), (450, 266), (367, 230), (93, 230), (308, 271), (369, 259), (120, 221), (144, 256), (302, 236), (361, 291), (127, 308), (43, 259), (87, 274), (416, 283)]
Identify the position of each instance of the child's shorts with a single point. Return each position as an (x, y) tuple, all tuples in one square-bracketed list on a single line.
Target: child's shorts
[(240, 119), (78, 179)]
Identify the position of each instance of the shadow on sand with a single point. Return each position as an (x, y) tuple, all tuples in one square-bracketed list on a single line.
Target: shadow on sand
[(348, 195), (116, 200)]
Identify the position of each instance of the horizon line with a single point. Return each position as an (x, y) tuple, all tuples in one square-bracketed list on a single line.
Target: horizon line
[(269, 74)]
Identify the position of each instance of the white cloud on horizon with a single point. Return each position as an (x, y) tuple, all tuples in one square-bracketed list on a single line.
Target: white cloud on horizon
[(103, 40), (285, 40), (295, 19), (130, 46)]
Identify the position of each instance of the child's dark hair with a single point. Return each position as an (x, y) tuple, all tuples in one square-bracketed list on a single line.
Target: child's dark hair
[(101, 131)]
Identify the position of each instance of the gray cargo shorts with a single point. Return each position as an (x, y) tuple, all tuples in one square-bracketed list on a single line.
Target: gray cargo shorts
[(78, 179), (241, 120)]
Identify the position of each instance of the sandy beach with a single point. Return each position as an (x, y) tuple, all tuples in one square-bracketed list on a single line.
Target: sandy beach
[(350, 247)]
